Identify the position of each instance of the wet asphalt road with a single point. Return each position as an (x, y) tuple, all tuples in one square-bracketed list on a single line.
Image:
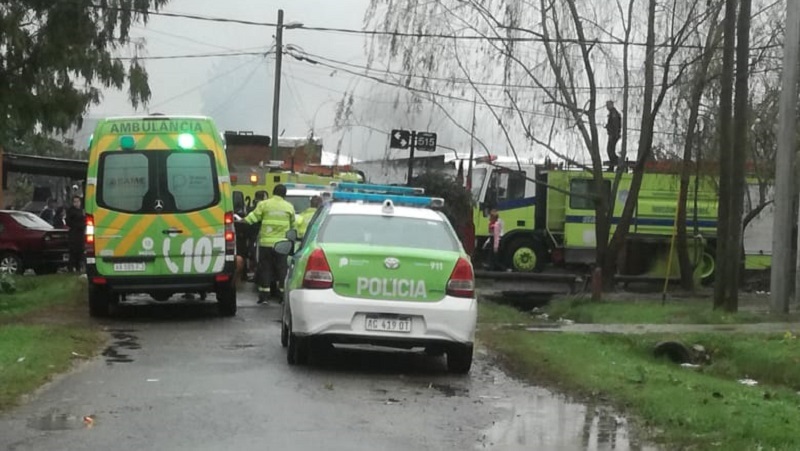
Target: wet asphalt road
[(177, 377)]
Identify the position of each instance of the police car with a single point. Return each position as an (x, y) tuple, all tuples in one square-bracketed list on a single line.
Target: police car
[(379, 266), (300, 194)]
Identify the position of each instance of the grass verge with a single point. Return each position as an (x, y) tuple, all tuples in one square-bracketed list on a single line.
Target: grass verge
[(43, 329), (652, 312), (705, 409), (39, 292)]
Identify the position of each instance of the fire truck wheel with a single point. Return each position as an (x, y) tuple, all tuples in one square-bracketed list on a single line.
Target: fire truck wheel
[(524, 255)]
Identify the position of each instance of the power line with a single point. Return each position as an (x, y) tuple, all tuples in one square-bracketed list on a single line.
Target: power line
[(445, 96), (206, 83), (399, 34), (194, 56), (455, 80)]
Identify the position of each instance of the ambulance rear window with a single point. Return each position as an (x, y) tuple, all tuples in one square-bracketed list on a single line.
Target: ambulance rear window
[(190, 180), (157, 181), (396, 231), (124, 181)]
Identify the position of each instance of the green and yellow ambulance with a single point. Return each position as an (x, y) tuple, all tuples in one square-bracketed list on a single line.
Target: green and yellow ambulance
[(159, 211)]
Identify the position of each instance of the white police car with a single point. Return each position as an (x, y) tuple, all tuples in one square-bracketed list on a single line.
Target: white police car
[(378, 266)]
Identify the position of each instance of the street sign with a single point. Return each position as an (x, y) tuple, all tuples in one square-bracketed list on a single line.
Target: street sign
[(425, 141), (400, 139)]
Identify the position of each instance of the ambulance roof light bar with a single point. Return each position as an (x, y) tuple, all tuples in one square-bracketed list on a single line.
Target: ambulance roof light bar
[(412, 201), (377, 189)]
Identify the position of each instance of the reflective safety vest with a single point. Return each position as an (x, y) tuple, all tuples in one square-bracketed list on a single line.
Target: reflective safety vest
[(303, 219), (276, 217)]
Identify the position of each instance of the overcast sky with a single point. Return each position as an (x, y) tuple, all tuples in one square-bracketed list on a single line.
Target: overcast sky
[(237, 91)]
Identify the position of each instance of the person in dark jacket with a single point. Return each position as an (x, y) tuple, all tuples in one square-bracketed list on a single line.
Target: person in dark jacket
[(614, 129), (76, 221), (60, 218)]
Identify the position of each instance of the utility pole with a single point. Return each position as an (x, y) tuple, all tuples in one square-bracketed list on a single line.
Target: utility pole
[(781, 271), (411, 157), (3, 181), (276, 99)]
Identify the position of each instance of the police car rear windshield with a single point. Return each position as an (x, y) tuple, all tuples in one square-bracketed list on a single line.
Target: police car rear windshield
[(157, 181), (393, 231), (300, 203)]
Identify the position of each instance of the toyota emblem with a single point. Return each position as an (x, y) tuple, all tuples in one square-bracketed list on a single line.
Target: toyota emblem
[(391, 263)]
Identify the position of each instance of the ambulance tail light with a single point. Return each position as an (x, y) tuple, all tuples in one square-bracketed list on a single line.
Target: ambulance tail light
[(230, 235), (462, 280), (89, 237), (318, 273)]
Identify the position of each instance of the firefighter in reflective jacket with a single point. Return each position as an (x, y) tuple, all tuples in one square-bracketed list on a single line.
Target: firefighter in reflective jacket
[(277, 217), (305, 217)]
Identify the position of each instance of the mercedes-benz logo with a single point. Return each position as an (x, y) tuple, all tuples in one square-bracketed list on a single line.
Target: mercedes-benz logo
[(391, 263), (159, 205)]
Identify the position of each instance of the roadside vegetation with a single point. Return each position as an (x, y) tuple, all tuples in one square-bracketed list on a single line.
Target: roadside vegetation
[(43, 329), (688, 311), (705, 407)]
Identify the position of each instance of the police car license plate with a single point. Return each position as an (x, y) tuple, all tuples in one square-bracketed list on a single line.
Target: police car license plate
[(388, 324), (129, 267)]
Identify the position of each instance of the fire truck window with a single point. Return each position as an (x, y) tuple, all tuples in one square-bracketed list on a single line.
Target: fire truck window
[(582, 192), (505, 186)]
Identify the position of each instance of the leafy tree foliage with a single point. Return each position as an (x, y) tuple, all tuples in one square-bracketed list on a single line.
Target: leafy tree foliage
[(57, 55), (457, 200)]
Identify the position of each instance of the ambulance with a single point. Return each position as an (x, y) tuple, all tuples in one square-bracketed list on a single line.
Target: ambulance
[(379, 265), (159, 212)]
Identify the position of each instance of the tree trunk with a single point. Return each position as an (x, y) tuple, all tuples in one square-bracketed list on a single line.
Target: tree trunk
[(644, 148), (700, 80), (725, 157), (740, 144)]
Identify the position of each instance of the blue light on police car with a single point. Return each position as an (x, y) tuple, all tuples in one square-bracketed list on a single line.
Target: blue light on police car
[(396, 199), (186, 141), (377, 189)]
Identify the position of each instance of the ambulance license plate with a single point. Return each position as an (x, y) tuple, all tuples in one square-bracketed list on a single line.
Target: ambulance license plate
[(129, 267), (388, 324)]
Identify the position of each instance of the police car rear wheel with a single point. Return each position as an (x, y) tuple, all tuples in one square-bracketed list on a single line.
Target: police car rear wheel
[(284, 335), (459, 359), (297, 350), (99, 302)]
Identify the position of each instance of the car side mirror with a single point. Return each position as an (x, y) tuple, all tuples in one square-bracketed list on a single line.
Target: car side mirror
[(285, 247), (291, 235)]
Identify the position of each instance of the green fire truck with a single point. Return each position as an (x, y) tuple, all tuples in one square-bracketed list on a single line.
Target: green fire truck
[(548, 218)]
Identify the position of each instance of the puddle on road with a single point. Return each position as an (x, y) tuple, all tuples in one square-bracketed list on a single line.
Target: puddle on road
[(123, 340), (535, 418), (54, 421), (449, 390)]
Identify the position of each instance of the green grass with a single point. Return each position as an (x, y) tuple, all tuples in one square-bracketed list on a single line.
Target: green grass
[(501, 314), (41, 325), (30, 355), (706, 409), (649, 312), (38, 292)]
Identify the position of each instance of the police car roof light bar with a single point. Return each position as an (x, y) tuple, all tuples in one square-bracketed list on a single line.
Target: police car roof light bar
[(377, 189), (434, 202)]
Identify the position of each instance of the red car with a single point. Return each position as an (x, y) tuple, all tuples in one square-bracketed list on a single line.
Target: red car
[(28, 242)]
